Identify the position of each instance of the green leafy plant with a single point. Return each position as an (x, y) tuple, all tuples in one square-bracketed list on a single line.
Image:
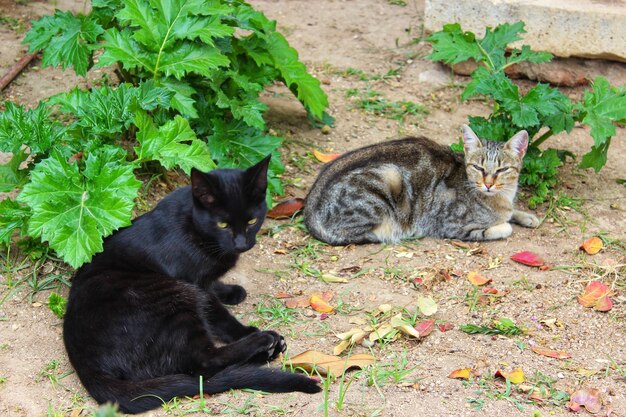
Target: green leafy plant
[(542, 111), (191, 74), (503, 326), (57, 304)]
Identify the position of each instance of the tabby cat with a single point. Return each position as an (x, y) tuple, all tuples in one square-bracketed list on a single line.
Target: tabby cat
[(145, 318), (414, 187)]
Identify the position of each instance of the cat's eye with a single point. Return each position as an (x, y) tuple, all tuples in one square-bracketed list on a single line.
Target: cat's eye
[(222, 225), (252, 221), (478, 168), (501, 170)]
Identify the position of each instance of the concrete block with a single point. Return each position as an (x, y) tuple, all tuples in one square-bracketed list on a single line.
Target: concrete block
[(566, 28)]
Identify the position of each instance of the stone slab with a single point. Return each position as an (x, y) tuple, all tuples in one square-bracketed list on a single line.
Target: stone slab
[(566, 28)]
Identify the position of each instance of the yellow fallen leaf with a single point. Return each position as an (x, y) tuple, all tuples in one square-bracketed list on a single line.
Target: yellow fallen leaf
[(398, 323), (476, 279), (426, 305), (463, 373), (325, 157), (516, 376), (343, 345), (329, 278), (320, 305), (329, 364), (382, 332)]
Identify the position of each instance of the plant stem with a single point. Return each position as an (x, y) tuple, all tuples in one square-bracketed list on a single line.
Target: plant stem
[(542, 138)]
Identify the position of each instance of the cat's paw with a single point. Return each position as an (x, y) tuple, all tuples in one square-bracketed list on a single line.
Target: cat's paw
[(269, 345), (525, 219), (499, 231), (229, 294)]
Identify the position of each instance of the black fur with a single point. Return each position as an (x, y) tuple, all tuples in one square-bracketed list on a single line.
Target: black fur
[(145, 318)]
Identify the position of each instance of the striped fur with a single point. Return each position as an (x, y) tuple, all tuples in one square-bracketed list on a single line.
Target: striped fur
[(414, 187)]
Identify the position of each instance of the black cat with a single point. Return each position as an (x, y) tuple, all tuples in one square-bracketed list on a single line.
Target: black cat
[(144, 316)]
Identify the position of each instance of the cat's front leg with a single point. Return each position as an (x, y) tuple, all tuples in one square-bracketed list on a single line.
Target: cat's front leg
[(499, 231), (229, 294), (525, 219)]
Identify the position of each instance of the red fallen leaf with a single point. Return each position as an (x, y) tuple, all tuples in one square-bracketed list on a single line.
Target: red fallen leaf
[(445, 274), (324, 316), (588, 398), (592, 245), (596, 295), (445, 327), (476, 279), (425, 327), (282, 294), (558, 354), (528, 258), (603, 304), (325, 157), (286, 209)]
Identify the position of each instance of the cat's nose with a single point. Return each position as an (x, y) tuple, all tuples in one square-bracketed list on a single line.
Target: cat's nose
[(488, 185), (241, 244)]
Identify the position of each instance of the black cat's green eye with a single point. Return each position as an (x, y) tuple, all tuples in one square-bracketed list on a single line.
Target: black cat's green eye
[(222, 225), (252, 221)]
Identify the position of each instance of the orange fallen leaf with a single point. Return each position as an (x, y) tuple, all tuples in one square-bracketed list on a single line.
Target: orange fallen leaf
[(298, 302), (320, 305), (558, 354), (588, 398), (528, 258), (329, 364), (463, 373), (286, 209), (282, 294), (596, 295), (476, 279), (592, 245), (516, 376), (325, 157)]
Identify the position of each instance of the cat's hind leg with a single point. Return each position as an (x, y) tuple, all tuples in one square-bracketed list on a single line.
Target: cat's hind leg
[(525, 219)]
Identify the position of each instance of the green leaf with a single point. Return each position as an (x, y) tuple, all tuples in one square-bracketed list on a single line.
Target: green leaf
[(31, 128), (204, 28), (527, 55), (65, 39), (453, 46), (173, 144), (57, 304), (603, 107), (74, 209), (188, 58), (121, 47), (495, 42), (11, 176), (182, 99), (497, 128), (300, 82), (13, 216)]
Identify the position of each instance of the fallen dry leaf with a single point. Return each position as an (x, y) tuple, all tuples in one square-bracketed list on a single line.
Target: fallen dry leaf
[(398, 323), (329, 364), (463, 373), (558, 354), (426, 305), (596, 295), (516, 376), (445, 327), (298, 302), (588, 398), (320, 305), (282, 294), (425, 327), (592, 245), (382, 332), (528, 258), (286, 209), (330, 279), (325, 157), (476, 279)]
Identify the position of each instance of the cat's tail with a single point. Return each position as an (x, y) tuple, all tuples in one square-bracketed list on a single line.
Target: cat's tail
[(139, 396)]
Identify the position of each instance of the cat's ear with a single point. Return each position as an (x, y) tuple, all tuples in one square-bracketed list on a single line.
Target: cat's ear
[(256, 177), (471, 142), (518, 143), (201, 187)]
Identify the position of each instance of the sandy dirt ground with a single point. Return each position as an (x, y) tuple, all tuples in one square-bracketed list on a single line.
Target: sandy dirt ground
[(354, 47)]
